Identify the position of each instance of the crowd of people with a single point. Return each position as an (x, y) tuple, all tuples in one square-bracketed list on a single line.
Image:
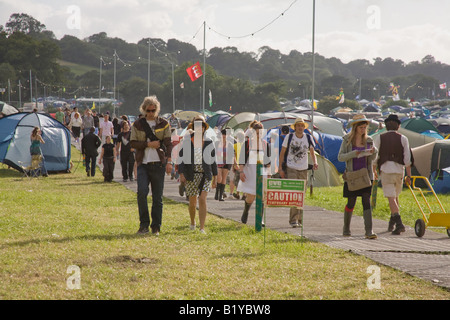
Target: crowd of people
[(150, 148)]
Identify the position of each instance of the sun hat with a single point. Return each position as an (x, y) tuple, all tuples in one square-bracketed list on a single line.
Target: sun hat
[(392, 117), (201, 118), (301, 121), (357, 119)]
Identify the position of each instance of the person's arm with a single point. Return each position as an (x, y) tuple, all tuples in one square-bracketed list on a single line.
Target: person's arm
[(281, 161), (313, 158), (101, 156)]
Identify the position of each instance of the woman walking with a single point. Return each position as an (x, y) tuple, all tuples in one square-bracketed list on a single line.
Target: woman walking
[(126, 152), (358, 152), (198, 169), (255, 149)]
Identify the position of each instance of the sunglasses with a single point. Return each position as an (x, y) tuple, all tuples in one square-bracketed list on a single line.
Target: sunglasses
[(150, 110)]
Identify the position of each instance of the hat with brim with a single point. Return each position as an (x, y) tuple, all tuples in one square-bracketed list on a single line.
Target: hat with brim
[(358, 119), (299, 121), (202, 119), (392, 117)]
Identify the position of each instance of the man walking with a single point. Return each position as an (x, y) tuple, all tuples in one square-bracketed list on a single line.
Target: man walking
[(89, 148), (106, 128), (393, 156), (151, 138), (294, 161)]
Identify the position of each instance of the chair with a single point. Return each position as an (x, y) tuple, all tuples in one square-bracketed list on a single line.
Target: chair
[(33, 170)]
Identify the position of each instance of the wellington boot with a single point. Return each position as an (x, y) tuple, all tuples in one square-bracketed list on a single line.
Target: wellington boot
[(367, 215), (216, 197), (221, 190), (347, 219), (245, 213)]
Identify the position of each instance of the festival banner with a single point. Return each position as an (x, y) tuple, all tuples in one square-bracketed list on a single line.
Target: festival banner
[(194, 71)]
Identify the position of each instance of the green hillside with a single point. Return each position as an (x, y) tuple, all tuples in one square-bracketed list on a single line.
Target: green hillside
[(77, 69)]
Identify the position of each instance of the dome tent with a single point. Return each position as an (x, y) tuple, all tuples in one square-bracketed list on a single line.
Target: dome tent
[(15, 132)]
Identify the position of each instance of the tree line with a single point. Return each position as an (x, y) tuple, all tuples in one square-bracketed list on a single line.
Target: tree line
[(244, 81)]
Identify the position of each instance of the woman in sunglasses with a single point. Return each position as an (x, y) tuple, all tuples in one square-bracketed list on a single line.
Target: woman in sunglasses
[(151, 138)]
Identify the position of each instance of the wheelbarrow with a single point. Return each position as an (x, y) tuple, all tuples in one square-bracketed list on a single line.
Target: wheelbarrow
[(431, 219)]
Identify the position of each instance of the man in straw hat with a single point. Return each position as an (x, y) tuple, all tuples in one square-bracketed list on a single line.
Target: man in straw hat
[(393, 157), (294, 161)]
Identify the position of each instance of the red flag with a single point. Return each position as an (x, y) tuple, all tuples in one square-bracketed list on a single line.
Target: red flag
[(194, 71)]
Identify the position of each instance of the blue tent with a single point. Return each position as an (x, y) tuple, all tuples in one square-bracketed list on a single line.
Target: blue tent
[(15, 132)]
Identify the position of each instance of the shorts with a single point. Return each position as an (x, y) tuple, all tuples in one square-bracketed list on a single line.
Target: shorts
[(195, 187), (392, 184)]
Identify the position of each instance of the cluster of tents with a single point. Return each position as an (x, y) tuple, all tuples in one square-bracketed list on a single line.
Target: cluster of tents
[(430, 149)]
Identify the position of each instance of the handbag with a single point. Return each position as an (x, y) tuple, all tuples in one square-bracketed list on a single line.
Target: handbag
[(358, 179)]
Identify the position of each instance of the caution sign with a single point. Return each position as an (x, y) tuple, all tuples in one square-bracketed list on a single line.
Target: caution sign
[(284, 193)]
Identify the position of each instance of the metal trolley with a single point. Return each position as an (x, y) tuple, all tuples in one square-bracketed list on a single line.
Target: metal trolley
[(430, 219)]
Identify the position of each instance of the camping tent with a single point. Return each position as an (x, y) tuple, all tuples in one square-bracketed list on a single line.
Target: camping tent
[(6, 109), (432, 161), (218, 119), (15, 132), (418, 125)]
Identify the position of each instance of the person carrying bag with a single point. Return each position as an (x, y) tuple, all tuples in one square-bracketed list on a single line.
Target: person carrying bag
[(358, 153)]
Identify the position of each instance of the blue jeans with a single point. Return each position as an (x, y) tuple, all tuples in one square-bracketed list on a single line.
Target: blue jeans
[(150, 174), (91, 162)]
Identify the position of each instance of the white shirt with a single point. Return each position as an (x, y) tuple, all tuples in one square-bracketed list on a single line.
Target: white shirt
[(297, 157), (150, 154), (107, 128), (391, 166)]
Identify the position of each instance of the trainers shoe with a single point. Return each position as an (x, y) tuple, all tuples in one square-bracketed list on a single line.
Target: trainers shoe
[(202, 231), (236, 196), (155, 231), (294, 224), (142, 231), (192, 227)]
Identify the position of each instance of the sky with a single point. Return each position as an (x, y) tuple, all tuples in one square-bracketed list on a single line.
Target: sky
[(407, 30)]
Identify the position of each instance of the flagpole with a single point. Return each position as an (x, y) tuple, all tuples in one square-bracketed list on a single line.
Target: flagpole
[(313, 82), (204, 66), (100, 84), (314, 64), (148, 71)]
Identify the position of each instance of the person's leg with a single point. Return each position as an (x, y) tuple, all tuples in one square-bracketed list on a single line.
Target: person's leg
[(202, 209), (142, 193), (192, 209), (157, 173), (348, 212), (247, 204), (93, 165), (367, 215)]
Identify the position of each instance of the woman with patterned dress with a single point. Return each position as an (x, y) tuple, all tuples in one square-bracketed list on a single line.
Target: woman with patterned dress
[(198, 169)]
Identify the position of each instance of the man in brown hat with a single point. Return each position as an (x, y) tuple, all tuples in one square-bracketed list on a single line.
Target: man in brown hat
[(393, 157)]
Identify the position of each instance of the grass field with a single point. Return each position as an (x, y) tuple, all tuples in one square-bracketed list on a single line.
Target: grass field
[(50, 224)]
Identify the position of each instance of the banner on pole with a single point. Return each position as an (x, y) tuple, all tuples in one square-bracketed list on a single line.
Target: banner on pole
[(194, 71), (284, 193)]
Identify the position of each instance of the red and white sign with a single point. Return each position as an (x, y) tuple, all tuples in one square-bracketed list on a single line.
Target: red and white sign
[(194, 71), (284, 199), (284, 193)]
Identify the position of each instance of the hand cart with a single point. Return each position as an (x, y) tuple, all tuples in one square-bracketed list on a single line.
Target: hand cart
[(432, 219)]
